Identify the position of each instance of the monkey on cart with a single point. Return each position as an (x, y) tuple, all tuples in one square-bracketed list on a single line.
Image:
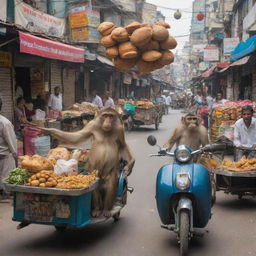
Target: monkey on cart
[(108, 148)]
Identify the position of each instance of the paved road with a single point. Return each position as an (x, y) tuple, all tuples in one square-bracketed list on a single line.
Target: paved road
[(232, 230)]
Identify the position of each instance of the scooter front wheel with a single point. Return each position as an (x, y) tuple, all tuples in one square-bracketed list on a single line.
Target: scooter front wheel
[(184, 232)]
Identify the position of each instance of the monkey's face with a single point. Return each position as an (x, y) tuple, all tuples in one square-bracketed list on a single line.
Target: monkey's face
[(107, 120), (191, 122)]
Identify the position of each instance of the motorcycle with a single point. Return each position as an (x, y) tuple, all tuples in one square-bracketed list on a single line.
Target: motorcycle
[(184, 193)]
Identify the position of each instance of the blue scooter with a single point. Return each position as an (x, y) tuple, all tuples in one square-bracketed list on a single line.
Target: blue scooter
[(184, 193)]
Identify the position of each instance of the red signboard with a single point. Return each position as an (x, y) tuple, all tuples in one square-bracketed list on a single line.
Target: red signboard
[(50, 49)]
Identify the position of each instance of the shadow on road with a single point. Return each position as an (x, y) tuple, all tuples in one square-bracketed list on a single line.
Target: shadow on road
[(233, 203), (71, 240)]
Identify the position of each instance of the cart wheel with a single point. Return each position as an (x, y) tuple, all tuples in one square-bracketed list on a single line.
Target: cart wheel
[(156, 123), (60, 228), (116, 217)]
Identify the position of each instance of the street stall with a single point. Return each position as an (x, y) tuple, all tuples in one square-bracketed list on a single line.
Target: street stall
[(234, 176), (52, 190), (146, 113)]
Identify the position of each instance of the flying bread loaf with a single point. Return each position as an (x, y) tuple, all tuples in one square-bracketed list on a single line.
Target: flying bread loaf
[(146, 46)]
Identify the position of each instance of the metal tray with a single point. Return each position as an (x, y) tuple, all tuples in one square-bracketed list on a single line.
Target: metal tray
[(51, 191), (235, 174)]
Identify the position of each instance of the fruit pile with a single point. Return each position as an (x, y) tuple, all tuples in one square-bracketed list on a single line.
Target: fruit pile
[(145, 45)]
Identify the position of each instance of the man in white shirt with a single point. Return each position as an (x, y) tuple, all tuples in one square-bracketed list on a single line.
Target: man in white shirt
[(167, 103), (96, 99), (8, 149), (219, 100), (245, 131), (55, 100), (109, 101)]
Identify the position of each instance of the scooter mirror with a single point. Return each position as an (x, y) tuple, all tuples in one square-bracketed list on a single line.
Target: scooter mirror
[(151, 140)]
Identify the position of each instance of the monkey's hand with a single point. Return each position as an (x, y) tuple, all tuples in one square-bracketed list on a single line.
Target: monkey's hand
[(127, 171)]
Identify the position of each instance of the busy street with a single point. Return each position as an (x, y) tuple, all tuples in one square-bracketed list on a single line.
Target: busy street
[(127, 127), (138, 231)]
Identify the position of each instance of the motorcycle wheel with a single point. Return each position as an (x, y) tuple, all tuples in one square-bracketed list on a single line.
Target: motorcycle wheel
[(184, 232)]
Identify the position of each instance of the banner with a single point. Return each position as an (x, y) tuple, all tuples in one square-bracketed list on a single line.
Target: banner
[(229, 45), (36, 21), (50, 49), (211, 54)]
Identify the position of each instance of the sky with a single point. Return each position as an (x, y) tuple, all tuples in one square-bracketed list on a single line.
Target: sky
[(178, 27)]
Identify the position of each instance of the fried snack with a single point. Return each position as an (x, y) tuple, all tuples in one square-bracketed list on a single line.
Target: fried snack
[(112, 52), (127, 50), (145, 67), (169, 43), (36, 163), (141, 36), (43, 179), (107, 41), (105, 28), (125, 64), (76, 181), (163, 24), (160, 33), (132, 27), (59, 153), (151, 55), (120, 34), (244, 164)]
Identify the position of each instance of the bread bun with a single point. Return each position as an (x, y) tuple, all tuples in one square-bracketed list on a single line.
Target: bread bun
[(169, 43), (107, 41), (105, 28), (145, 67), (127, 50), (166, 59), (160, 33), (132, 27), (151, 55), (124, 64), (120, 35), (163, 24), (152, 45), (141, 36), (112, 52)]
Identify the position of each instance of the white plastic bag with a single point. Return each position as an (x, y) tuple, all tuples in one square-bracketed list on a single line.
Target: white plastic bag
[(63, 167)]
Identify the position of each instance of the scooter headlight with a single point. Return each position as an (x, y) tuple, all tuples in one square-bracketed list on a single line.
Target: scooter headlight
[(183, 154), (183, 180)]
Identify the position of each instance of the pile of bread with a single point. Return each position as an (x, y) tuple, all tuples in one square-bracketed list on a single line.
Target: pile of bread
[(145, 45)]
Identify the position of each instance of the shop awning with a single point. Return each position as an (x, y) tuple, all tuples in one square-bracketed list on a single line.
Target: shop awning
[(50, 49), (209, 72), (223, 64), (244, 48), (240, 62)]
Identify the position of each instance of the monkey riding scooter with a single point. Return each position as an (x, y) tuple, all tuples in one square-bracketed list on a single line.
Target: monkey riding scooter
[(183, 193)]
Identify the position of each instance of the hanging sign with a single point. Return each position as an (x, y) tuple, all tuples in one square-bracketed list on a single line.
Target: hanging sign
[(36, 21), (50, 49)]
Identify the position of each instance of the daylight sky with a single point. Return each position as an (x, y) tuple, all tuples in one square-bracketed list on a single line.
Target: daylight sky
[(178, 27)]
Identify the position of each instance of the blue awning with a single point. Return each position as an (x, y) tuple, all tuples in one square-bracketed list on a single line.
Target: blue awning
[(244, 48)]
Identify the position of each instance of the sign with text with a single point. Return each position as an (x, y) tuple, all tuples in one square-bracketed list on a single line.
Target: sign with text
[(50, 49), (36, 21), (85, 34), (211, 53), (85, 18), (229, 45)]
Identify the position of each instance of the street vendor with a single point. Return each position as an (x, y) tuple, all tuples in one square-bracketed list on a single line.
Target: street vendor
[(8, 149), (245, 131)]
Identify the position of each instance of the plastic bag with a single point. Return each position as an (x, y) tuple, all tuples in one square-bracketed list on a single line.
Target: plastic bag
[(42, 145), (63, 167)]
